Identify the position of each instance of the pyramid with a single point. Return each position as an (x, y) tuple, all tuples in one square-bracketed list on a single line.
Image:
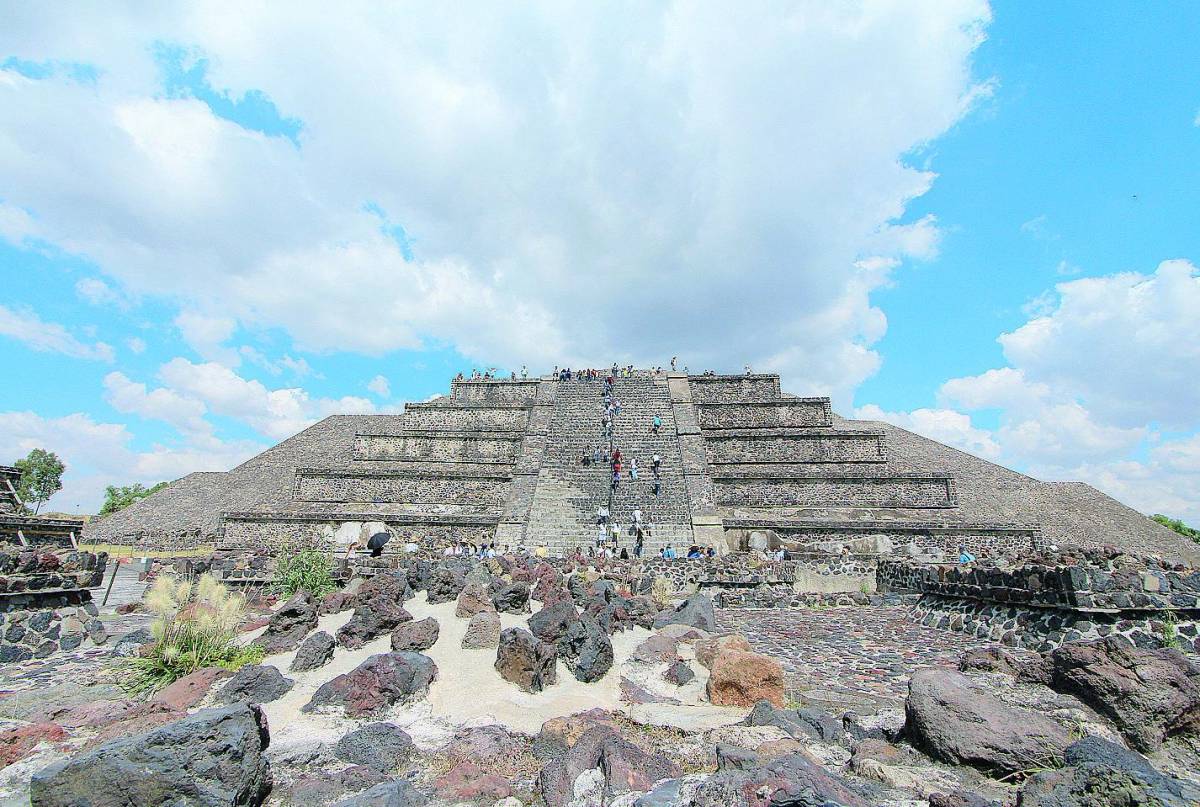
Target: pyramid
[(501, 461)]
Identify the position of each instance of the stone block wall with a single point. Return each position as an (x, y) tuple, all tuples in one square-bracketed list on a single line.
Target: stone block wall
[(927, 538), (780, 446), (382, 487), (785, 413), (259, 530), (832, 491), (435, 447), (1044, 629), (459, 419), (733, 388), (491, 390), (1091, 582), (45, 604)]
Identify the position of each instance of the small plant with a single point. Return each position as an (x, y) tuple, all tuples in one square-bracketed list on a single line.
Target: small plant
[(195, 626), (661, 590), (306, 570), (1170, 632)]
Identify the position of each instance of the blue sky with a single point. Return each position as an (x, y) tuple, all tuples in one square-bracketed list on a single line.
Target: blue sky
[(976, 222)]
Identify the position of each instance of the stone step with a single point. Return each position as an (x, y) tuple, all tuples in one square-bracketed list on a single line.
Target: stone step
[(948, 535), (783, 413), (340, 486), (493, 390), (794, 446), (440, 446)]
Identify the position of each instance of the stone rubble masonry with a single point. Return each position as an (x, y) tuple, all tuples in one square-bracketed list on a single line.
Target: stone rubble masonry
[(45, 604), (498, 460), (1051, 598), (1088, 581)]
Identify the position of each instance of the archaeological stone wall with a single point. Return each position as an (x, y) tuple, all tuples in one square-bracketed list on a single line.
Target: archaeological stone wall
[(926, 537), (467, 418), (1092, 583), (780, 446), (733, 388), (494, 390), (890, 491), (384, 487), (437, 447), (273, 531), (784, 413), (45, 604)]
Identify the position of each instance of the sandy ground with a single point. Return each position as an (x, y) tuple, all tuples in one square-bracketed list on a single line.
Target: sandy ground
[(469, 692)]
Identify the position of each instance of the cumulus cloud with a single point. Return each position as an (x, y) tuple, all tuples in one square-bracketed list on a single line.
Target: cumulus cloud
[(99, 454), (136, 345), (554, 184), (1123, 344), (275, 413), (380, 386), (207, 335), (97, 292), (185, 414), (27, 327), (944, 425), (1102, 367)]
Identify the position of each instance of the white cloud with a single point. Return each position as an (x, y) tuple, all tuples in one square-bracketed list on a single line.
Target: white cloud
[(97, 292), (700, 161), (207, 336), (275, 413), (1103, 365), (136, 344), (944, 425), (185, 414), (100, 454), (49, 337), (380, 386), (1125, 345)]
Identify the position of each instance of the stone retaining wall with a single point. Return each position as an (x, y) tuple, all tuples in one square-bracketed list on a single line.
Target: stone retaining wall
[(835, 491), (456, 419), (392, 488), (242, 531), (733, 388), (776, 446), (784, 413), (1091, 581), (1044, 629), (488, 390), (45, 604), (431, 446)]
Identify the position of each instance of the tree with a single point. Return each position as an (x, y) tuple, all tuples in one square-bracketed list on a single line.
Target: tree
[(116, 498), (41, 477), (1178, 526)]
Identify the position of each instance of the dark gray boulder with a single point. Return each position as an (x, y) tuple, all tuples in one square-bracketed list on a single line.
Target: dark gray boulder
[(811, 723), (255, 683), (586, 649), (379, 682), (732, 757), (789, 781), (512, 599), (370, 621), (316, 651), (416, 636), (525, 660), (396, 793), (960, 722), (288, 626), (626, 767), (1150, 694), (381, 746), (552, 622), (213, 758), (131, 643), (679, 673), (445, 584), (1099, 773), (696, 611)]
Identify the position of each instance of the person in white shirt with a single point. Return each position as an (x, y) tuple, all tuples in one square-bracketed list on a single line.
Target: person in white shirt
[(637, 515)]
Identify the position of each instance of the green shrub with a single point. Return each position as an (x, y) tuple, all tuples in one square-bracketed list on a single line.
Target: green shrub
[(195, 626), (1178, 526), (308, 569)]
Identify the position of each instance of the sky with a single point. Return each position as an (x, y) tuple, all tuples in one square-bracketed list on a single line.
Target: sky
[(221, 222)]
